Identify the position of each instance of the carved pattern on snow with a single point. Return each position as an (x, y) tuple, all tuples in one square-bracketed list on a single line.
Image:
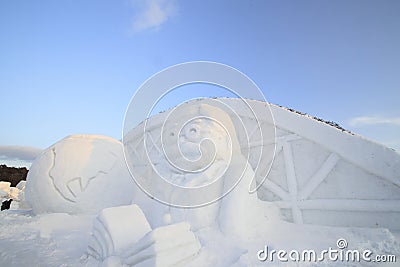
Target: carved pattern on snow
[(298, 199), (70, 189)]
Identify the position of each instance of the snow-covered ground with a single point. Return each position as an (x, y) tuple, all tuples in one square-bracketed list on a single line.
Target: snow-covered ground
[(327, 190), (60, 239)]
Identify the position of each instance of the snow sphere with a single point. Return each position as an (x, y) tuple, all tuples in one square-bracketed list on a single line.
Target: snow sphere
[(81, 174)]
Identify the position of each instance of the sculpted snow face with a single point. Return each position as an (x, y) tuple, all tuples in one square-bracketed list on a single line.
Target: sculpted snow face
[(79, 174), (180, 161), (203, 155)]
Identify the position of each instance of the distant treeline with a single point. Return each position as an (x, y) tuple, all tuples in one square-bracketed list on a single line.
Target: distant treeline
[(12, 174)]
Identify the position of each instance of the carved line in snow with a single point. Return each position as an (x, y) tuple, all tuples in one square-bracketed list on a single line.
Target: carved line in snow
[(69, 184), (103, 244), (293, 198), (153, 143), (319, 176), (53, 161)]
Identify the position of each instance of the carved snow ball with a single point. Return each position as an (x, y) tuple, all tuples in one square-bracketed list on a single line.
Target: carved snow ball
[(81, 174)]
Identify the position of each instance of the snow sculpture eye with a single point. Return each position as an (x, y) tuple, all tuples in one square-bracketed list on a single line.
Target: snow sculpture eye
[(192, 132)]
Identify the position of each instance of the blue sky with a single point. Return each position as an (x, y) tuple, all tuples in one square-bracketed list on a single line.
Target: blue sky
[(72, 66)]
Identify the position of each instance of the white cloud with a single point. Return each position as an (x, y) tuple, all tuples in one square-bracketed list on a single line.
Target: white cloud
[(382, 129), (373, 120), (20, 152), (151, 14), (18, 156)]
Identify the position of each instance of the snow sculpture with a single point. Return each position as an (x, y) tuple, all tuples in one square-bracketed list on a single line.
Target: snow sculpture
[(21, 185), (320, 175), (7, 195), (4, 189), (79, 174), (13, 195), (123, 237), (201, 135)]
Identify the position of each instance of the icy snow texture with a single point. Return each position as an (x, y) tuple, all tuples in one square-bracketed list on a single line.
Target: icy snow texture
[(79, 174)]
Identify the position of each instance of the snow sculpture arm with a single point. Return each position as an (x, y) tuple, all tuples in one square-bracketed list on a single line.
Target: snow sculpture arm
[(165, 246), (122, 237)]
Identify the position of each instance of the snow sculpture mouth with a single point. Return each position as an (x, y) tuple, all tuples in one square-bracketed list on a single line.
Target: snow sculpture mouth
[(183, 156)]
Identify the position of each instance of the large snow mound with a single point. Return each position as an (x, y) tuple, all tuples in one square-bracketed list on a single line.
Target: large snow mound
[(79, 174)]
